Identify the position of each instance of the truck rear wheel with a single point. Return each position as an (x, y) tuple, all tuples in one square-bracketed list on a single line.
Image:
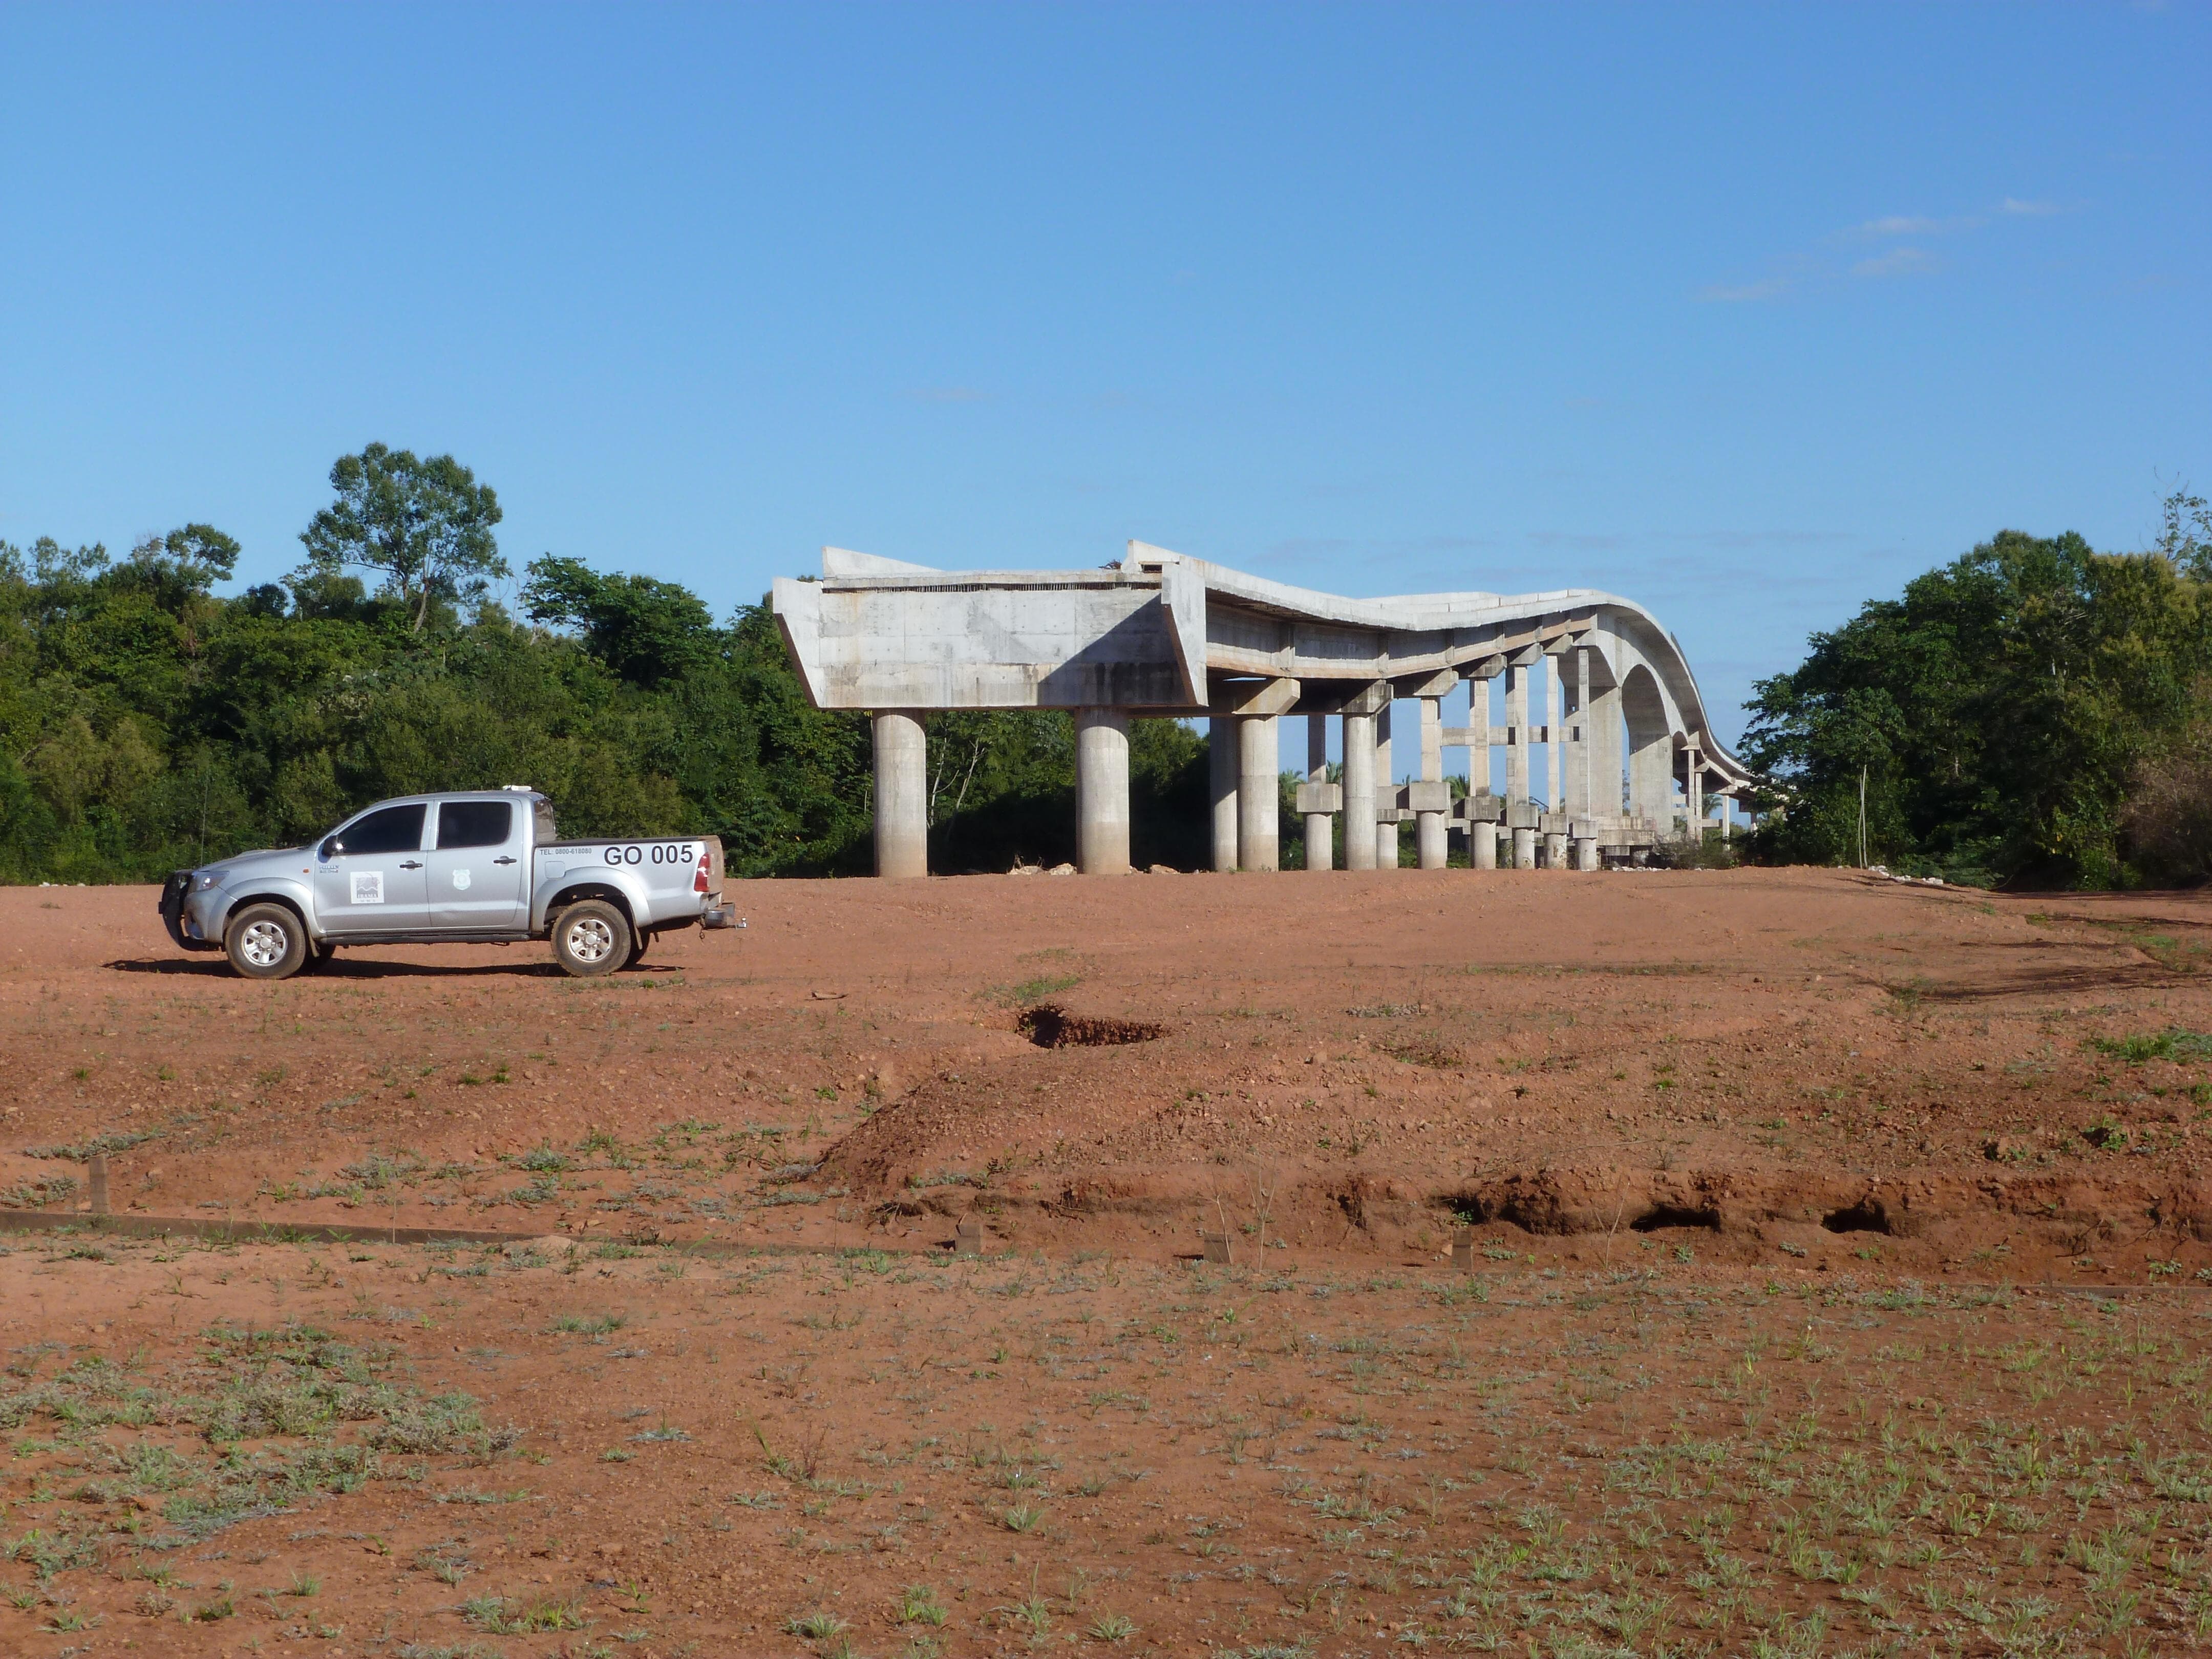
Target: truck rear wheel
[(266, 941), (590, 938)]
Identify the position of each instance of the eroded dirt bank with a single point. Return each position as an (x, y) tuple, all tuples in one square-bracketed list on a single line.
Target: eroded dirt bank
[(1796, 1068)]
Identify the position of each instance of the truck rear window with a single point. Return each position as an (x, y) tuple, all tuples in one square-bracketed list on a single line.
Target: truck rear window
[(475, 824)]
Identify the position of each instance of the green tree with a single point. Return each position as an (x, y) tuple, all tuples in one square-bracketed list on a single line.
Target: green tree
[(424, 526), (1997, 712), (648, 631)]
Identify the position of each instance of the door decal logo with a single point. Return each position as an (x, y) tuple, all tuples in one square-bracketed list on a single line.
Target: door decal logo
[(368, 886), (460, 881)]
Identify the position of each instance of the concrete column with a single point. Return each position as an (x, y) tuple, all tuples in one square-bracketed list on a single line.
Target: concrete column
[(1431, 838), (1479, 755), (1651, 781), (1516, 733), (902, 795), (1551, 734), (1605, 733), (1580, 800), (1221, 787), (1321, 833), (1585, 853), (1259, 789), (1694, 795), (1482, 846), (1555, 851), (1386, 789), (1524, 849), (1101, 791), (1359, 792), (1726, 802)]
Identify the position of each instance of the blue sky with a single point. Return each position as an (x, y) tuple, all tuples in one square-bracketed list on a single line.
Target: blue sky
[(1749, 314)]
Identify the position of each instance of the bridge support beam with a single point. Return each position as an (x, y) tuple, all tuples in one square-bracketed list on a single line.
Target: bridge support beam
[(1386, 774), (1101, 791), (1258, 793), (902, 795), (1359, 792), (1320, 831), (1221, 787)]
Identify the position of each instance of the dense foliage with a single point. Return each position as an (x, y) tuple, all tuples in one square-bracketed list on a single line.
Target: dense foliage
[(2010, 717), (150, 724)]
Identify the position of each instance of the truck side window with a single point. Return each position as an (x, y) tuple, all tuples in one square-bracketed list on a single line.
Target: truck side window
[(475, 824), (547, 834), (394, 829)]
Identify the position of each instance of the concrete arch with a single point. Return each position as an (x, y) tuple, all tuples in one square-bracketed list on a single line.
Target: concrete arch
[(1651, 747)]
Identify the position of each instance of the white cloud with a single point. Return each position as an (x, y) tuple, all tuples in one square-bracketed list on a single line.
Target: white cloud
[(1899, 262), (1725, 294), (2013, 205), (1899, 225)]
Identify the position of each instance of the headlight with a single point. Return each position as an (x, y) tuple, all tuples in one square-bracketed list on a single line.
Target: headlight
[(203, 880)]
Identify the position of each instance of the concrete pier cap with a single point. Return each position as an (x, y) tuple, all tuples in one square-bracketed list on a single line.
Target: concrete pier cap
[(1160, 634)]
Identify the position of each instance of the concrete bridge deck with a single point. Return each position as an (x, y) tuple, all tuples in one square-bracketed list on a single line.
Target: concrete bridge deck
[(1617, 710)]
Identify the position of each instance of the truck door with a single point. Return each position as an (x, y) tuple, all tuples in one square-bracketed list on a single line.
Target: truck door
[(369, 876), (480, 869)]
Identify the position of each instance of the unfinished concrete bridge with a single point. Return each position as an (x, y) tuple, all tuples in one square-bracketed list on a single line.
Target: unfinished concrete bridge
[(1628, 758)]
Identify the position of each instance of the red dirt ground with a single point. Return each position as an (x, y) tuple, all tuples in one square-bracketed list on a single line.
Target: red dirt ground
[(1732, 1146)]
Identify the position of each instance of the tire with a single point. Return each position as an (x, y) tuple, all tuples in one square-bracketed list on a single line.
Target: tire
[(590, 938), (266, 941), (319, 958), (638, 941)]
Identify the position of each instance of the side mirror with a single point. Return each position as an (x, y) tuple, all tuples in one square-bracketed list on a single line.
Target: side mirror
[(331, 848)]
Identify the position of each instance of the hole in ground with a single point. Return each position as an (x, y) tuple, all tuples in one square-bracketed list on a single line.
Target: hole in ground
[(1676, 1215), (1865, 1216), (1051, 1026)]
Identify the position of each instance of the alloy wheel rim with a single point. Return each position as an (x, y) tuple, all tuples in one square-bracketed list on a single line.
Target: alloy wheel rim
[(264, 944)]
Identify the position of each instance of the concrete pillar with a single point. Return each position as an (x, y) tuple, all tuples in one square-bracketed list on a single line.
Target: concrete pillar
[(1516, 733), (1555, 851), (1221, 787), (1694, 793), (1479, 755), (902, 795), (1258, 790), (1524, 849), (1359, 792), (1101, 791), (1585, 853), (1580, 800), (1321, 834), (1651, 781), (1552, 734), (1604, 733), (1482, 846), (1431, 838), (1386, 789), (1726, 802)]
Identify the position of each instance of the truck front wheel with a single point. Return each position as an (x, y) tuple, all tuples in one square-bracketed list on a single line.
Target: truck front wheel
[(590, 938), (266, 941)]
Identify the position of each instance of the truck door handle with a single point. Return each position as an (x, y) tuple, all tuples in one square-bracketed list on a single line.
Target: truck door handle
[(410, 865), (502, 860)]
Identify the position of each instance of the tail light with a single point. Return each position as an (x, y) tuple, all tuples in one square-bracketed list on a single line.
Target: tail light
[(699, 881)]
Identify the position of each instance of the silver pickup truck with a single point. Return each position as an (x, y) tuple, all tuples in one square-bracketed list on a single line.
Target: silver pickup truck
[(477, 867)]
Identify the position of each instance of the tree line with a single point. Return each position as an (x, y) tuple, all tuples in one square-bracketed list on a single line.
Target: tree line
[(150, 724), (2034, 712)]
